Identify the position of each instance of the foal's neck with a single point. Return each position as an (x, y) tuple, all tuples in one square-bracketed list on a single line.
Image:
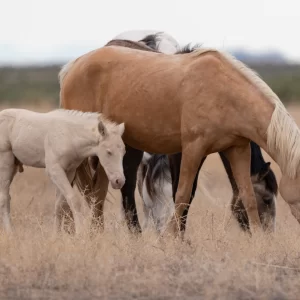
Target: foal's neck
[(88, 141)]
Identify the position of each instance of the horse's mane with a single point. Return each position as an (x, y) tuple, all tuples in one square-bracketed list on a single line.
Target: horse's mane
[(188, 48), (283, 134), (157, 170), (152, 40), (131, 44)]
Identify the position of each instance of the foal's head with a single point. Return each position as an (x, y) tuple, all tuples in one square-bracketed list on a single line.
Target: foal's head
[(111, 151)]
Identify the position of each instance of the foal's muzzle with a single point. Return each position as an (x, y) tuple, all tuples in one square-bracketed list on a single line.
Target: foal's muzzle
[(117, 182)]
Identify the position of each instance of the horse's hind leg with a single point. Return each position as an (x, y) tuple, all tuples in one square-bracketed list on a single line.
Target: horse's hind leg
[(7, 172), (239, 159), (131, 162)]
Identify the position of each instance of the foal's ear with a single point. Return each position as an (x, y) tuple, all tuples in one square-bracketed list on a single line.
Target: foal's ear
[(264, 171), (121, 128), (102, 129)]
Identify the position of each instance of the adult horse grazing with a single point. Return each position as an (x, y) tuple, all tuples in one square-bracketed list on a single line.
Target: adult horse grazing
[(155, 188), (267, 184), (196, 103), (58, 141)]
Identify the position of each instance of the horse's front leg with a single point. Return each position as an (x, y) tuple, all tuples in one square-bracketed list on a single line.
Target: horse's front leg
[(131, 162), (240, 158), (63, 184), (192, 155), (175, 162)]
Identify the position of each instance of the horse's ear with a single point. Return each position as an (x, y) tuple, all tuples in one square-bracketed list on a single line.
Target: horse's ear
[(121, 128), (264, 171), (102, 129)]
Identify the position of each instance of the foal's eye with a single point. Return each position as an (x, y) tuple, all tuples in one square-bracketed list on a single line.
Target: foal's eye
[(108, 152)]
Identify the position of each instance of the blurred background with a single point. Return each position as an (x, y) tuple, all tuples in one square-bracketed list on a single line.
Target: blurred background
[(38, 36)]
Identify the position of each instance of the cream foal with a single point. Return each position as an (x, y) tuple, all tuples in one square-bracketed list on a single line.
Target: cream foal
[(58, 141)]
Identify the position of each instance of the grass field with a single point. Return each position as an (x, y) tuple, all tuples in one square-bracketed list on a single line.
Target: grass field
[(221, 263)]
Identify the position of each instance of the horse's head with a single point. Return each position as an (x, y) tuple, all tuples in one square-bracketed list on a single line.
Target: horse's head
[(111, 151)]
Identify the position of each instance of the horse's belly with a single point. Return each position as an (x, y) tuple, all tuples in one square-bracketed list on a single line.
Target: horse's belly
[(29, 156), (156, 134)]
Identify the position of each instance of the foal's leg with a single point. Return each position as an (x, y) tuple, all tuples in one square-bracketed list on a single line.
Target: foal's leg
[(192, 155), (62, 182), (175, 161), (100, 189), (239, 158), (131, 162), (62, 208), (7, 171)]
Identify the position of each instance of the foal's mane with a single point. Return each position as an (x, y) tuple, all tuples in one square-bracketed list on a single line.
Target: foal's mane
[(78, 113), (88, 116)]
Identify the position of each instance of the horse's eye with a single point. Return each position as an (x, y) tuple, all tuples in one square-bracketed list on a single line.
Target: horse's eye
[(268, 201), (108, 152)]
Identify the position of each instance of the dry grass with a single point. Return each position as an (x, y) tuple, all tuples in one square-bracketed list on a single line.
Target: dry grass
[(221, 263)]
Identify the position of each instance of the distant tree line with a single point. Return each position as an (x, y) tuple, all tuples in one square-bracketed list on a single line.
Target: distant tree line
[(36, 84)]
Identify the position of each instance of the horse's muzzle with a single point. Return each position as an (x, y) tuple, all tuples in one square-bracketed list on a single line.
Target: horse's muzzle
[(117, 182)]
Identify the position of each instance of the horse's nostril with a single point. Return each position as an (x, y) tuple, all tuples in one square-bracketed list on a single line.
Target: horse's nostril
[(117, 181)]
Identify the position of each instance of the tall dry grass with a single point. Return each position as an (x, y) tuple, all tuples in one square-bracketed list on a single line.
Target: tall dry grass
[(221, 262)]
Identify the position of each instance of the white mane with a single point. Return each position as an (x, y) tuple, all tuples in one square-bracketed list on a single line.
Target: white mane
[(89, 116), (283, 134)]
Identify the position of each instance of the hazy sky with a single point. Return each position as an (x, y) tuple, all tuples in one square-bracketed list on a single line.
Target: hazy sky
[(42, 30)]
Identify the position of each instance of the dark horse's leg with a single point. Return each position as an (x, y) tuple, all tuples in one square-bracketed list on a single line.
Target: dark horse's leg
[(175, 161), (131, 162)]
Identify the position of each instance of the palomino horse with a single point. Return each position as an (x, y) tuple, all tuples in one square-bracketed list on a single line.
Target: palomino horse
[(267, 183), (217, 104), (58, 141), (155, 188), (90, 183)]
